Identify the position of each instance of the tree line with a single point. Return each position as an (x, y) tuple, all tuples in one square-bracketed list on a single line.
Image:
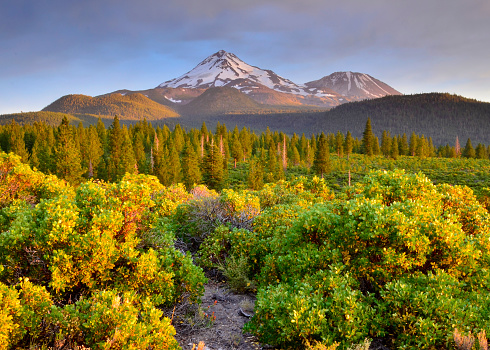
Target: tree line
[(199, 155)]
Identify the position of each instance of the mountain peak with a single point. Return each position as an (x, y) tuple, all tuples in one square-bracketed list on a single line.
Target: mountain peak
[(220, 53), (354, 85), (223, 69)]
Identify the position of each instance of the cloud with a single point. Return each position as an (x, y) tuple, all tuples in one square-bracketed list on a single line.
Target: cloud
[(441, 40)]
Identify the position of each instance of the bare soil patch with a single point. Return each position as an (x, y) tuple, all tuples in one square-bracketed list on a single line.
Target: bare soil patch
[(217, 321)]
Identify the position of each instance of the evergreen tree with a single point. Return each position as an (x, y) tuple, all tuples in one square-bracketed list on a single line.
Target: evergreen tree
[(321, 164), (174, 168), (67, 155), (102, 132), (115, 141), (368, 139), (403, 145), (16, 142), (413, 144), (349, 144), (386, 144), (246, 142), (92, 151), (481, 152), (191, 174), (376, 148), (272, 164), (394, 148), (339, 144), (255, 176), (140, 155), (422, 147), (212, 167), (469, 151), (295, 157), (236, 148), (127, 159)]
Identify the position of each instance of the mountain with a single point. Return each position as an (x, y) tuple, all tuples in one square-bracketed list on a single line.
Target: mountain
[(263, 85), (441, 116), (356, 86), (220, 101), (133, 106)]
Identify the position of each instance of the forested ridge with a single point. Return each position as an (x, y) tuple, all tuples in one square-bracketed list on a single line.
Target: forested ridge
[(442, 117), (105, 232)]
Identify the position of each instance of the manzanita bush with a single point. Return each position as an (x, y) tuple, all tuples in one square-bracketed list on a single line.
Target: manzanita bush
[(395, 257), (89, 265)]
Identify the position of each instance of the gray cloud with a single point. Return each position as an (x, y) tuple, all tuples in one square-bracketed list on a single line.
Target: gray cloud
[(447, 40)]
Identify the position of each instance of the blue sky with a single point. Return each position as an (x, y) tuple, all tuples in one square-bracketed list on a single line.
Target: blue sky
[(51, 48)]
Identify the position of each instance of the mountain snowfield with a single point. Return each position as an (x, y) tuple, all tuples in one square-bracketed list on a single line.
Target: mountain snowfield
[(226, 69)]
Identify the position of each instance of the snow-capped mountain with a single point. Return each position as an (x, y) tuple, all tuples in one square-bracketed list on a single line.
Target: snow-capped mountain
[(356, 86), (226, 69), (222, 68), (265, 86)]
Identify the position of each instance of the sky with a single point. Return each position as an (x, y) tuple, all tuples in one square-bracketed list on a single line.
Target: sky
[(51, 48)]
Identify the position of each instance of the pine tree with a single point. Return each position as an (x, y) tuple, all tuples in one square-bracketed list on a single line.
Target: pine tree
[(236, 148), (368, 139), (295, 157), (67, 155), (174, 167), (115, 140), (339, 144), (16, 142), (376, 148), (212, 167), (349, 144), (413, 144), (127, 160), (191, 174), (403, 145), (140, 155), (469, 151), (394, 148), (255, 176), (321, 164), (246, 141), (481, 152), (272, 164), (92, 151), (386, 142)]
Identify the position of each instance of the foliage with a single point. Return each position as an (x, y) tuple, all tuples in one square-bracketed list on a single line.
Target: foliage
[(102, 249), (408, 252)]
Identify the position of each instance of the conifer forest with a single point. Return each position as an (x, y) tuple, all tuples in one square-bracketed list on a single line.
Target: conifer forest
[(106, 231)]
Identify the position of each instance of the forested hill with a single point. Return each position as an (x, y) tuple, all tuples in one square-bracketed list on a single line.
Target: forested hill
[(49, 118), (130, 107), (441, 116)]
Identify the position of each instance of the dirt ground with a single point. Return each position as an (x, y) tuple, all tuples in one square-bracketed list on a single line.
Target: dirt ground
[(218, 321)]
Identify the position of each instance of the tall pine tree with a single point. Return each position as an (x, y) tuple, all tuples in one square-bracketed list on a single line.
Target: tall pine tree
[(368, 139), (67, 155), (321, 164)]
